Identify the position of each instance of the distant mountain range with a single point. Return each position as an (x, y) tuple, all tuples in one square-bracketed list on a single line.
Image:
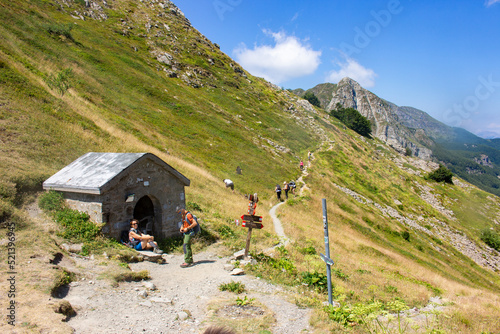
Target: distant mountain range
[(473, 158)]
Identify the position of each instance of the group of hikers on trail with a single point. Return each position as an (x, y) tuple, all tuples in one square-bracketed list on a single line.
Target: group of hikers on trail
[(188, 227), (290, 186), (287, 186)]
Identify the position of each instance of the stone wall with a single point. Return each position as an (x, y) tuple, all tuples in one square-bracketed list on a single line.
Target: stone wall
[(145, 178)]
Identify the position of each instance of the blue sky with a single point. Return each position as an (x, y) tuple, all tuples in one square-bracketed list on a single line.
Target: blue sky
[(442, 57)]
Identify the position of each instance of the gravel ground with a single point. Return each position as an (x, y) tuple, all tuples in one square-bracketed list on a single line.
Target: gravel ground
[(178, 292)]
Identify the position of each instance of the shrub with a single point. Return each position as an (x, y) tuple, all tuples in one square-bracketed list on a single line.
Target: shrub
[(60, 82), (60, 30), (442, 174), (245, 301), (313, 99), (406, 235), (236, 287), (353, 120), (315, 280), (51, 201), (491, 238), (77, 226)]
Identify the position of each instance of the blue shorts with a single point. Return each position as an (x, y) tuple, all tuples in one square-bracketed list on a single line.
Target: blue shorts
[(138, 246)]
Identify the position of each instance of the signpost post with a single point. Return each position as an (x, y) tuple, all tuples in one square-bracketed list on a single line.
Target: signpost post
[(326, 258), (251, 221)]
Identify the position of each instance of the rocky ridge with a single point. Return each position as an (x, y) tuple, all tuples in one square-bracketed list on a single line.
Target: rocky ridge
[(382, 114)]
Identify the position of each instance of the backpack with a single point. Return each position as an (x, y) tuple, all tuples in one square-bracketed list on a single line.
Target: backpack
[(278, 189), (124, 239), (197, 228)]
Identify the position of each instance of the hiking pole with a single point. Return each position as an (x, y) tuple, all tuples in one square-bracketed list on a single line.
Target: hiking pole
[(326, 258)]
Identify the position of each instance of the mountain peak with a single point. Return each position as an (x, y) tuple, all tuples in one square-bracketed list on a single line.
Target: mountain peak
[(346, 81)]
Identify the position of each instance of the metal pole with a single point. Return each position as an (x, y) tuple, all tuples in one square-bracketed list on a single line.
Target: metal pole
[(327, 250)]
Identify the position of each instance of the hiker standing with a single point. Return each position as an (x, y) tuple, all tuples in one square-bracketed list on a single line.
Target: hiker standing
[(188, 224), (286, 187), (292, 187), (301, 165), (309, 155), (278, 192)]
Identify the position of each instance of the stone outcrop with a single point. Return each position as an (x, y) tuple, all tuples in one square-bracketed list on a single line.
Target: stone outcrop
[(483, 160), (384, 118)]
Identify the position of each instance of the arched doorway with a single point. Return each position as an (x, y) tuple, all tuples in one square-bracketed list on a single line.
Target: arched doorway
[(144, 212)]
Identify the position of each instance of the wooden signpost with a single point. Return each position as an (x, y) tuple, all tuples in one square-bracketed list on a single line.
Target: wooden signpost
[(250, 220)]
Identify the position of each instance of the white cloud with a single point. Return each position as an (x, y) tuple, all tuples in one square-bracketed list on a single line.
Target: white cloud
[(352, 69), (491, 2), (288, 58)]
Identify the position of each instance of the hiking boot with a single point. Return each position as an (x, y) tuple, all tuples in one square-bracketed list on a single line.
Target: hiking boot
[(185, 265), (157, 251)]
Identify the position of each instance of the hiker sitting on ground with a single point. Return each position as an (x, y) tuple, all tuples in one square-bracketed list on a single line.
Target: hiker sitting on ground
[(142, 241)]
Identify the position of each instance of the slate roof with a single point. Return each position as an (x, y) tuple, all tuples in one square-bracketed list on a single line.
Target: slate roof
[(91, 172)]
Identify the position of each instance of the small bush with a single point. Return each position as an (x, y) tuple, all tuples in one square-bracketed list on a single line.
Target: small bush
[(317, 281), (244, 301), (60, 30), (60, 82), (491, 238), (236, 287), (51, 201), (442, 174), (406, 235), (353, 120), (77, 226)]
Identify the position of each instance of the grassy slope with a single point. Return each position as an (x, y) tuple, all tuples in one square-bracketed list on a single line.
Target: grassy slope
[(121, 100)]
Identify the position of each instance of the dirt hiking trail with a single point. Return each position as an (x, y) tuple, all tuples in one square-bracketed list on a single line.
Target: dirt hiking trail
[(178, 300)]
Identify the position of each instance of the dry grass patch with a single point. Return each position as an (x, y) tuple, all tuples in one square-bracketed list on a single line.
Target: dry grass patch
[(251, 318)]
